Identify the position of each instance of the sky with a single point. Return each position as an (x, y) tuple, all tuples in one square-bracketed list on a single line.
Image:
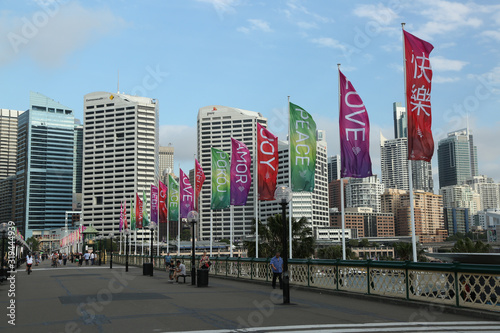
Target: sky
[(253, 54)]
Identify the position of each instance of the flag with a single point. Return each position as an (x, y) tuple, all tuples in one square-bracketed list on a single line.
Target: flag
[(154, 203), (145, 218), (354, 130), (173, 199), (221, 182), (132, 215), (138, 211), (302, 149), (241, 177), (187, 199), (163, 202), (418, 97), (120, 227), (125, 223), (267, 145), (200, 179)]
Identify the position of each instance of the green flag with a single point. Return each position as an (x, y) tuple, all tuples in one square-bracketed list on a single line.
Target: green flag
[(132, 214), (145, 219), (302, 149), (173, 199), (221, 169)]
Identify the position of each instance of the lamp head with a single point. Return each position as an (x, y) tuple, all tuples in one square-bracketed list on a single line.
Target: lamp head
[(283, 194), (193, 216)]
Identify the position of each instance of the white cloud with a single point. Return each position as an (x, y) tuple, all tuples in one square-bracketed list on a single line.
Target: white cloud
[(442, 79), (255, 25), (379, 13), (328, 42), (440, 63), (222, 6), (398, 67), (493, 34), (307, 25), (54, 31), (488, 154)]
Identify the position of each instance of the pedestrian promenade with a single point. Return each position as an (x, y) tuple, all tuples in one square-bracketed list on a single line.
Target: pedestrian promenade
[(100, 299)]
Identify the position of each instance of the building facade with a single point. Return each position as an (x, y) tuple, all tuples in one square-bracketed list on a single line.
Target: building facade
[(366, 222), (364, 192), (44, 177), (120, 156), (333, 168), (8, 142), (456, 220), (457, 158), (166, 160), (489, 192)]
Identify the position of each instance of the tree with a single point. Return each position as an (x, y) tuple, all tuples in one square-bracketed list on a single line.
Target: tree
[(33, 243), (364, 243), (335, 252), (270, 238), (466, 245), (353, 243), (405, 251)]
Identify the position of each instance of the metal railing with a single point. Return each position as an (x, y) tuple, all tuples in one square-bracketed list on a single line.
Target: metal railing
[(461, 285)]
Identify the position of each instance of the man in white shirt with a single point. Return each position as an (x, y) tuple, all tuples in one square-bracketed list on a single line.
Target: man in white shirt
[(29, 262), (180, 270), (86, 256), (92, 257)]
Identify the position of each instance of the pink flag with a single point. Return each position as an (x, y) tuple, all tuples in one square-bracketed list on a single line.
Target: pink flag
[(267, 145), (354, 130), (418, 98), (138, 211), (187, 198), (121, 217), (163, 203), (241, 178), (125, 223), (200, 179), (154, 203)]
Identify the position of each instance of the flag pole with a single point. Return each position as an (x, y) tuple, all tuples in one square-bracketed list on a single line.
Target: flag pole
[(211, 230), (256, 191), (290, 185), (344, 256), (410, 171), (179, 217), (231, 209)]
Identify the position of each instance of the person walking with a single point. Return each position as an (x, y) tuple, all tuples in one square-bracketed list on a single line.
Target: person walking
[(277, 267), (168, 259), (29, 262), (65, 258), (204, 261), (92, 258), (86, 256)]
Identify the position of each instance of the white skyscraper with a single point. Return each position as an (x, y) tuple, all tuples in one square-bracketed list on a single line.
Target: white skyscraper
[(461, 196), (489, 192), (120, 155), (313, 206), (216, 126), (364, 192)]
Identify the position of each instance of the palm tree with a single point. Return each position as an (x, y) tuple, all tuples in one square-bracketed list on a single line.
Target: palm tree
[(270, 238), (405, 251), (335, 252), (466, 245)]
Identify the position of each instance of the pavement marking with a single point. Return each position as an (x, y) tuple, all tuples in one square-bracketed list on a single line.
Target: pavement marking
[(429, 327)]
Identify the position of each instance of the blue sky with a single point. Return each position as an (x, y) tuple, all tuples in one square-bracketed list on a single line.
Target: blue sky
[(252, 54)]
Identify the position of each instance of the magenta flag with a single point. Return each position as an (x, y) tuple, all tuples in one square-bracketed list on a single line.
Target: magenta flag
[(121, 217), (354, 130), (241, 178), (187, 197), (163, 203), (154, 203)]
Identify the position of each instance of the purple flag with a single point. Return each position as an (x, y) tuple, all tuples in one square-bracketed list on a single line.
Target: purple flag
[(154, 204), (241, 177), (187, 197), (354, 129)]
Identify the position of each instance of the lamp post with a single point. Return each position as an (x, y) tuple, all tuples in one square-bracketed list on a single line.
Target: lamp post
[(152, 227), (127, 233), (192, 217), (99, 246), (111, 250), (283, 195), (3, 229)]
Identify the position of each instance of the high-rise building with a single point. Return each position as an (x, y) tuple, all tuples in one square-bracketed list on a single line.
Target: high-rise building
[(77, 167), (44, 179), (489, 192), (216, 126), (457, 158), (8, 142), (334, 198), (400, 120), (428, 210), (7, 199), (120, 156), (311, 205), (364, 192), (461, 196), (166, 161), (456, 220), (367, 222), (333, 168)]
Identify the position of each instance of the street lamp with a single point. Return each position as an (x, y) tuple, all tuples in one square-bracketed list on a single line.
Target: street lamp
[(192, 217), (283, 195), (127, 233), (99, 246), (152, 227), (3, 229), (110, 236)]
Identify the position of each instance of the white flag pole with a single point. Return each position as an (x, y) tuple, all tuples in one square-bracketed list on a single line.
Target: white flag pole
[(342, 188), (290, 185), (231, 230), (211, 230), (256, 190), (410, 176)]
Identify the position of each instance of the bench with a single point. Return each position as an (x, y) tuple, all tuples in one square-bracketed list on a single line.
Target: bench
[(183, 277)]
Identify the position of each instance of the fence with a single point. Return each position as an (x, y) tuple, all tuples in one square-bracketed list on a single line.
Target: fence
[(461, 285)]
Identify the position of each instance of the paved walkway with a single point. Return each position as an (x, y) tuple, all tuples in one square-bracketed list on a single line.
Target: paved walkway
[(99, 299)]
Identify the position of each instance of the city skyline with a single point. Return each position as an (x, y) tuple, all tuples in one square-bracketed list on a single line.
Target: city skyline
[(252, 56)]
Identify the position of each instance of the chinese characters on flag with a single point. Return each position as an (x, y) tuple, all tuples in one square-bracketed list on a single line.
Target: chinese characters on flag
[(418, 97)]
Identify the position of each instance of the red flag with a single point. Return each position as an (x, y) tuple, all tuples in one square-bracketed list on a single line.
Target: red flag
[(138, 212), (200, 179), (125, 223), (163, 202), (418, 97), (267, 144), (120, 227)]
